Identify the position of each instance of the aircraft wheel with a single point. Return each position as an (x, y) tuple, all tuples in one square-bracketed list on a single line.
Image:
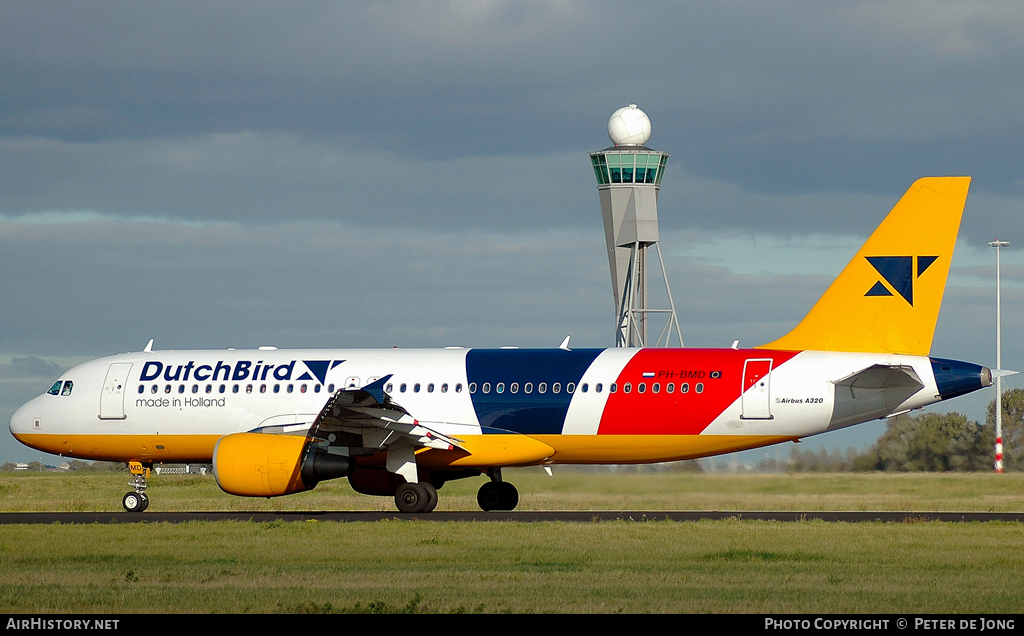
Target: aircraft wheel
[(509, 496), (133, 502), (412, 498), (489, 496), (431, 496), (145, 502), (497, 495)]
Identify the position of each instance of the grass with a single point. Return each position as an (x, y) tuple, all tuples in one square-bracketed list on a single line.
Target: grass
[(450, 567), (393, 566), (568, 489)]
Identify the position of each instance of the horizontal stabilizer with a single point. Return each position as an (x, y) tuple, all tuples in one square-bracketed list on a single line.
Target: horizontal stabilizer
[(874, 392), (881, 376)]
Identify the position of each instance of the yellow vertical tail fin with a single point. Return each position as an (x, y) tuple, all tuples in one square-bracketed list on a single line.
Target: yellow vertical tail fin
[(887, 298)]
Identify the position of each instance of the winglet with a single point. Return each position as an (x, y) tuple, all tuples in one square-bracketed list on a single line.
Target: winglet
[(887, 299), (565, 344), (376, 389), (149, 347)]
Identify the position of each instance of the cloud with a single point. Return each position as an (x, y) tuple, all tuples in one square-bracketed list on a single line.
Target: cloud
[(30, 367), (794, 98)]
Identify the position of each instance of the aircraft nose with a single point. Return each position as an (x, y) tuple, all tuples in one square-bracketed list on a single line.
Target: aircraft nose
[(21, 421), (24, 420)]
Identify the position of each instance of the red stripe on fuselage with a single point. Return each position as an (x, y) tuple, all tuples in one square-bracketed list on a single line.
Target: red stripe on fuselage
[(678, 413)]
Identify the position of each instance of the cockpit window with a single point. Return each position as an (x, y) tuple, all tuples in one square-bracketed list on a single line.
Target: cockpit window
[(55, 389), (68, 385)]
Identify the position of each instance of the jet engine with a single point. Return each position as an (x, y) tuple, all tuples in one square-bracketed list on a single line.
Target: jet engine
[(269, 465)]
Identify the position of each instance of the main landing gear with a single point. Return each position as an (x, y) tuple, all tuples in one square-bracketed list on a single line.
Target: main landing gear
[(416, 497), (497, 494), (137, 501), (421, 497)]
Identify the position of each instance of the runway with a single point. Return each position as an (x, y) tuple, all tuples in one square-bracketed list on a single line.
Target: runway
[(514, 516)]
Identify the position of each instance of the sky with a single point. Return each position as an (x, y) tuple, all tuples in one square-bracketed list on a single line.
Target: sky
[(328, 174)]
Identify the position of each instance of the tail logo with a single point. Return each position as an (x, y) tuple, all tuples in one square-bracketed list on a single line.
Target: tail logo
[(898, 272)]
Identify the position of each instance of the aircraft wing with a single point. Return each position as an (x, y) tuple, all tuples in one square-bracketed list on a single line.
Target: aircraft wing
[(370, 413)]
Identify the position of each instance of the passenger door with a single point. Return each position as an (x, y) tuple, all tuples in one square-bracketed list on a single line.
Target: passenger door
[(756, 398), (112, 397)]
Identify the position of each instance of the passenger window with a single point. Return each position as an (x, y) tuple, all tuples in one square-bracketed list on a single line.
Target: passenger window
[(627, 387), (584, 387), (487, 387), (221, 388), (458, 388), (248, 388), (642, 387), (444, 388), (402, 387), (528, 388), (330, 388), (700, 387), (68, 386), (291, 388), (277, 388), (181, 388), (316, 388), (514, 387), (195, 388), (685, 388), (472, 387), (656, 388), (263, 388), (542, 387), (234, 388), (302, 389), (569, 388), (167, 389), (670, 388), (390, 387), (416, 388), (430, 388), (598, 387), (556, 387), (500, 388), (55, 389), (612, 388), (154, 389)]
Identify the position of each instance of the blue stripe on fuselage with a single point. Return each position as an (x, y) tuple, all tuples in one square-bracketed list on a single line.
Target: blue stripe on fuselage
[(521, 412)]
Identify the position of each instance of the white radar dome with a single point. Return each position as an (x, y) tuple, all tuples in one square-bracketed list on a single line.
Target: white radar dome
[(629, 126)]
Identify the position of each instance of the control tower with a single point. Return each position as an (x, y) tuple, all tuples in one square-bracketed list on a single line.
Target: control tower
[(628, 180)]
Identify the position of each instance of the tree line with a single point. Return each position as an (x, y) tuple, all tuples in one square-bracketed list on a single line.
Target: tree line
[(936, 442)]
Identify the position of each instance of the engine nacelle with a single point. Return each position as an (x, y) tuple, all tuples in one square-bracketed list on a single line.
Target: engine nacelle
[(259, 464), (268, 465)]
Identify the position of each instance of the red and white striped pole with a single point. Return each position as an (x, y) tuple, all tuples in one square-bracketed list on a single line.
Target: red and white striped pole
[(999, 362)]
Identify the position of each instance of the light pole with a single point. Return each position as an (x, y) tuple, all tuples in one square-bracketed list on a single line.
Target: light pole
[(999, 361)]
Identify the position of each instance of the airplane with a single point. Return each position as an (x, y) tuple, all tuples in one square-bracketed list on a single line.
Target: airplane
[(402, 422)]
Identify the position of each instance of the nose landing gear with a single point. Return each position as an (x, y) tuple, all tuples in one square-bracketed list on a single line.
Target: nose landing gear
[(137, 501)]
